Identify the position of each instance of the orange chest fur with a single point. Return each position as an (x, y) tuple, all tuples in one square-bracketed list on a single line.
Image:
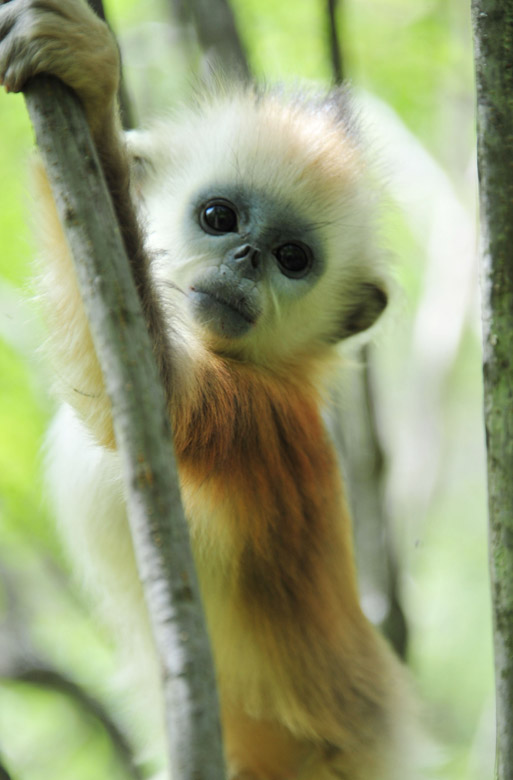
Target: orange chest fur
[(260, 447), (260, 480)]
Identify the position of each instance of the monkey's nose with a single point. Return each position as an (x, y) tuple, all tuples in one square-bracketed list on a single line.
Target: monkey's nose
[(248, 252)]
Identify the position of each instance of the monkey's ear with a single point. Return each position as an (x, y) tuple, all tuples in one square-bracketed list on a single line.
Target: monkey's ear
[(367, 303)]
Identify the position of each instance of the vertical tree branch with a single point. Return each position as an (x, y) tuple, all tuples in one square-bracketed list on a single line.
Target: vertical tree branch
[(21, 661), (125, 104), (98, 8), (38, 674), (141, 426), (362, 455), (337, 62), (493, 40), (217, 33)]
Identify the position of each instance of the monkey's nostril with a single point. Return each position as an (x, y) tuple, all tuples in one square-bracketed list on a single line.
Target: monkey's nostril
[(242, 251), (249, 252)]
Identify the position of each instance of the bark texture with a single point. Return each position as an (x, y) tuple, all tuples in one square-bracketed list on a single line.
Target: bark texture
[(493, 38), (142, 430), (218, 36), (337, 62)]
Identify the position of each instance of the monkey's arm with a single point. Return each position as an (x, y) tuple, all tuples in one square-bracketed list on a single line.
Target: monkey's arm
[(64, 38)]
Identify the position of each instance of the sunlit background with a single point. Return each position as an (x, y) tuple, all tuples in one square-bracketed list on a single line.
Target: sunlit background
[(411, 66)]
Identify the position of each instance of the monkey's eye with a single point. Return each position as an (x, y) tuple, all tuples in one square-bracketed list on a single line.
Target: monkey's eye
[(218, 216), (294, 260)]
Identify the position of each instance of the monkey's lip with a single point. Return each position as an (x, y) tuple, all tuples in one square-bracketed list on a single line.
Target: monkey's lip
[(223, 313), (239, 306)]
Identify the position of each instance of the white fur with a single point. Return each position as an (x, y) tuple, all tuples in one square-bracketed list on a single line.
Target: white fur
[(86, 489), (277, 148)]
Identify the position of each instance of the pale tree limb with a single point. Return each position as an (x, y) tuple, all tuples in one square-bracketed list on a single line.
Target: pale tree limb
[(142, 430), (22, 662), (493, 38), (337, 60), (34, 671), (354, 425), (126, 108), (217, 33)]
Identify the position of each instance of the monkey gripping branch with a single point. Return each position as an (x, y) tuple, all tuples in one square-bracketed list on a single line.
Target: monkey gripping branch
[(141, 426)]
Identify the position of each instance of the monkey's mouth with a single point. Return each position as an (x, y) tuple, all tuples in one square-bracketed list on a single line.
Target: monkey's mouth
[(227, 315), (239, 306)]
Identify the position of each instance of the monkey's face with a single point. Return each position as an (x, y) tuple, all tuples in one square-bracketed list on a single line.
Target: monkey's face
[(258, 259), (267, 275), (260, 219)]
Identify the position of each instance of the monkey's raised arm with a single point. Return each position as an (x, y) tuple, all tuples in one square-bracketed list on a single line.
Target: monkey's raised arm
[(66, 39)]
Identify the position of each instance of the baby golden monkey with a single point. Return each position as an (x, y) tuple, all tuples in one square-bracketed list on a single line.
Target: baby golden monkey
[(251, 245)]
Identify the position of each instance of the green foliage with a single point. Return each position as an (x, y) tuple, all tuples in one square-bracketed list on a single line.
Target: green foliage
[(60, 741), (417, 57), (16, 139), (286, 39)]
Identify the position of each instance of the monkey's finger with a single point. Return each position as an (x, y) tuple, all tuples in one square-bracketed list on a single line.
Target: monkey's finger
[(7, 23), (7, 17), (25, 50), (16, 25), (19, 64)]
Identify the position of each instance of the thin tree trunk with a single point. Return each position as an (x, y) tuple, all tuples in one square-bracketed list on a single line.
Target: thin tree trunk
[(360, 449), (125, 104), (142, 430), (493, 39), (217, 33), (35, 673), (337, 61)]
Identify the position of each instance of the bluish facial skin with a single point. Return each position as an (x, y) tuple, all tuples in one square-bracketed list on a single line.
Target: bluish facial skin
[(254, 241)]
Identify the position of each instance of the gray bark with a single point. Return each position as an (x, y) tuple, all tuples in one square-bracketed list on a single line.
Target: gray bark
[(493, 38), (337, 62), (21, 661), (4, 775), (142, 430), (362, 458), (125, 104), (355, 429), (35, 673), (218, 36)]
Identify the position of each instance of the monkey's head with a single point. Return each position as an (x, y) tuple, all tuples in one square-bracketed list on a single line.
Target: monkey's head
[(260, 212)]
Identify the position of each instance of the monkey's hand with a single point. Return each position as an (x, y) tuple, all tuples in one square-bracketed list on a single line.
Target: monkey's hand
[(63, 38)]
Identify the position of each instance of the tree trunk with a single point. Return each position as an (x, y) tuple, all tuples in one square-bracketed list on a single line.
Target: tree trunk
[(218, 35), (337, 61), (125, 104), (362, 458), (493, 39), (142, 430)]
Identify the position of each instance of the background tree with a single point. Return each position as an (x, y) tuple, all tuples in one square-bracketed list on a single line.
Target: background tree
[(493, 35), (411, 64), (355, 430)]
